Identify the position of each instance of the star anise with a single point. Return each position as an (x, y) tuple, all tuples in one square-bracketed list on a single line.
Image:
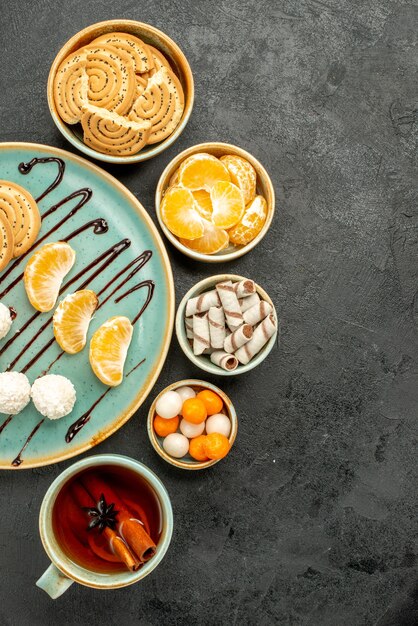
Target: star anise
[(103, 515)]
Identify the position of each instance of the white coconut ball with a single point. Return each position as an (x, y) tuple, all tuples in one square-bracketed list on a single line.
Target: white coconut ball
[(218, 423), (191, 430), (14, 392), (176, 445), (5, 320), (169, 405), (53, 395)]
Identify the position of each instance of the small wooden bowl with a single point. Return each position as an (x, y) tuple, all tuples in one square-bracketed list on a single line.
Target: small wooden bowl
[(149, 35), (264, 188), (187, 462), (203, 361)]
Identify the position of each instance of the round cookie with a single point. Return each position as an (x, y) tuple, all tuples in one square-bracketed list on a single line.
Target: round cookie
[(138, 50), (22, 213), (161, 103), (6, 241), (110, 133), (70, 87)]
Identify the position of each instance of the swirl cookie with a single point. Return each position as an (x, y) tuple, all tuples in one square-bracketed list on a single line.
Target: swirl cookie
[(161, 103), (21, 211), (6, 241), (70, 87), (110, 133), (111, 78), (133, 46), (159, 60)]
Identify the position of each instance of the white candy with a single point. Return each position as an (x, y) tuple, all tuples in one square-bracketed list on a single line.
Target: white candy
[(176, 445), (185, 393), (169, 405), (5, 320), (14, 392), (191, 430), (218, 423)]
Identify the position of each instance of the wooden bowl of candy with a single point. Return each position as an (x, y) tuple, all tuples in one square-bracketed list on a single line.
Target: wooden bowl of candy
[(120, 91), (192, 424), (215, 202), (226, 324)]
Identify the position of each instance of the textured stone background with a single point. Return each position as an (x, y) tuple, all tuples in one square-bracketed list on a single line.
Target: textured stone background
[(310, 520)]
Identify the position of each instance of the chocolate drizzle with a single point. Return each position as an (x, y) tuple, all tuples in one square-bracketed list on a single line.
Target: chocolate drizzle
[(13, 313), (6, 421), (145, 283), (18, 460), (25, 168), (82, 421), (135, 368), (86, 195)]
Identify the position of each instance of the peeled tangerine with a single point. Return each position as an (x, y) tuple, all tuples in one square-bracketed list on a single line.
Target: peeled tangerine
[(213, 240), (72, 318), (202, 171), (251, 222), (242, 174), (44, 273), (108, 349), (227, 203), (179, 214)]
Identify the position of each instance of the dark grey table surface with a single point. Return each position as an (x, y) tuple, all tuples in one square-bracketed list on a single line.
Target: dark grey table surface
[(310, 520)]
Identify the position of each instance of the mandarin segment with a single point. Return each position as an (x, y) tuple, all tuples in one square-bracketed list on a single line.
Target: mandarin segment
[(213, 240), (203, 203), (251, 222), (179, 214), (109, 348), (72, 318), (242, 174), (228, 204), (202, 171), (44, 273)]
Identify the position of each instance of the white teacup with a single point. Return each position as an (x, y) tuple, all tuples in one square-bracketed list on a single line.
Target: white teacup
[(62, 572)]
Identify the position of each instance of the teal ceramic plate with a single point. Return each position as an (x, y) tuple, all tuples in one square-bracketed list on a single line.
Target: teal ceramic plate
[(117, 249)]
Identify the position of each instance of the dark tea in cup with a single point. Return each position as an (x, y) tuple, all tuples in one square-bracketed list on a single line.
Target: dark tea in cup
[(107, 519)]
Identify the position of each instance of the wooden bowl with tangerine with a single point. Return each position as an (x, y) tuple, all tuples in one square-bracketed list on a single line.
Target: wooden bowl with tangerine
[(192, 424), (215, 202)]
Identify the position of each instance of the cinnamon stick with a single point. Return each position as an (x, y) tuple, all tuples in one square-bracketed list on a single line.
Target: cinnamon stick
[(129, 528), (84, 499)]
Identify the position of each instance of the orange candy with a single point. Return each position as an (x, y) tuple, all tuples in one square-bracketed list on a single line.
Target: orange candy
[(194, 410), (164, 427), (211, 400), (197, 448), (216, 446)]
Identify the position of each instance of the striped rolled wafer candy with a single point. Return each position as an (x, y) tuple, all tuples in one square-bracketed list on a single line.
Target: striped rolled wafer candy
[(70, 87), (112, 82), (230, 304), (110, 133), (159, 60), (217, 332), (238, 338), (137, 50), (248, 302), (261, 335), (228, 362), (257, 312), (188, 324), (244, 288), (161, 103), (201, 338), (6, 241), (21, 210), (202, 303)]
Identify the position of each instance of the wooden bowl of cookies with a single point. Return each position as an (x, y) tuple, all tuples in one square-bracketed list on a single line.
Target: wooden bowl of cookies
[(215, 202), (120, 91)]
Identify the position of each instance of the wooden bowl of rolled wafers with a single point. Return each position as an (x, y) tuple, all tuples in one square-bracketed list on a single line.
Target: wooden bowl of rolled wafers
[(120, 91), (226, 324)]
